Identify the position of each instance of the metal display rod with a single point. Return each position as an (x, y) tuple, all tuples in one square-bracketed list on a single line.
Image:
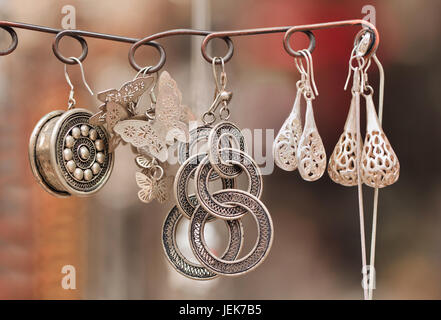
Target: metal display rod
[(209, 35)]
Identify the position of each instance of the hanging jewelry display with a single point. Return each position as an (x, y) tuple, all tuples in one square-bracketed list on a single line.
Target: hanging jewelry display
[(68, 155), (71, 152)]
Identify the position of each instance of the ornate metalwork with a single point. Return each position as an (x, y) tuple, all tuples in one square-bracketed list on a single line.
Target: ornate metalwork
[(68, 155), (342, 166), (169, 123), (311, 155), (265, 235), (228, 144), (379, 163), (183, 265), (287, 140)]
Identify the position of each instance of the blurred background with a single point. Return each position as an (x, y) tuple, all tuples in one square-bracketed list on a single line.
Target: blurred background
[(114, 240)]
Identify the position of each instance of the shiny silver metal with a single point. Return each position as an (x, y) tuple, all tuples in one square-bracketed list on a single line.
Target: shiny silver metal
[(182, 264), (287, 140), (263, 244), (204, 169), (67, 159), (226, 146)]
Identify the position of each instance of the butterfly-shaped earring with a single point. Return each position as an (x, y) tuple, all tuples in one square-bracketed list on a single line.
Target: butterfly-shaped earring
[(120, 105), (152, 181), (170, 122)]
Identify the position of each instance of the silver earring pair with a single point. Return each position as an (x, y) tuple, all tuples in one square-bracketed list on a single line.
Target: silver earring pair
[(297, 147), (379, 165)]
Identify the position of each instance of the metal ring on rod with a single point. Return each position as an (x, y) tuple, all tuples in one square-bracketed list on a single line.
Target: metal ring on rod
[(288, 47), (225, 58), (75, 36), (174, 32), (327, 25), (360, 34), (151, 69), (14, 41)]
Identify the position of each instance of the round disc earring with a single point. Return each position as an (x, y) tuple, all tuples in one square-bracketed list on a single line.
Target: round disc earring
[(68, 155)]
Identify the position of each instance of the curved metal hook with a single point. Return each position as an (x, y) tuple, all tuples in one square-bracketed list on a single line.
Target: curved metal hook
[(298, 54), (168, 33)]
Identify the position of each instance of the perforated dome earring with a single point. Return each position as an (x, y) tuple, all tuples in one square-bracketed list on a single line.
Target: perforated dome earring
[(379, 163)]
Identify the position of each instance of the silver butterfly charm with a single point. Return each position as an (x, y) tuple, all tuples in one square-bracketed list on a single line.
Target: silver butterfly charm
[(169, 124), (152, 188), (151, 181), (119, 105)]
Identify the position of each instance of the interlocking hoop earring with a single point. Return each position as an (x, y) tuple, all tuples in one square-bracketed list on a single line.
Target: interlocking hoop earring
[(379, 164), (311, 155), (68, 155), (225, 159)]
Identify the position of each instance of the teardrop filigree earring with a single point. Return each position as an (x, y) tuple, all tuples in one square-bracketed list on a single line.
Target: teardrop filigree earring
[(311, 155), (287, 140)]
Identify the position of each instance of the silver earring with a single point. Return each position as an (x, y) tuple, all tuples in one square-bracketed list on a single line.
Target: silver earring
[(342, 168), (311, 155), (150, 131), (68, 155), (225, 159), (287, 140), (379, 163)]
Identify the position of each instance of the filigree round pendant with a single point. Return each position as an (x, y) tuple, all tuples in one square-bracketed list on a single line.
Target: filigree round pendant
[(68, 155), (182, 264)]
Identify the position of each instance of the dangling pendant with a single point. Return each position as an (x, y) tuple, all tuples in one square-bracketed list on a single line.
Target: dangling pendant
[(342, 168), (287, 140), (379, 164), (228, 204), (151, 180), (69, 156), (311, 155)]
